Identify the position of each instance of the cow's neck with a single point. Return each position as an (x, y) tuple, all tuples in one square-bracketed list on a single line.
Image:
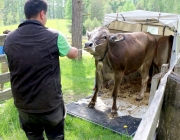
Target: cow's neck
[(104, 54)]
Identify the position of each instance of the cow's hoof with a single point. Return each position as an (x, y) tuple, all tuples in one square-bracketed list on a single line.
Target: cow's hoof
[(114, 114), (138, 98), (91, 105)]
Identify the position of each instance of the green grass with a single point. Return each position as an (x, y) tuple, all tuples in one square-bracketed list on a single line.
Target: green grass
[(77, 77), (59, 24), (75, 128)]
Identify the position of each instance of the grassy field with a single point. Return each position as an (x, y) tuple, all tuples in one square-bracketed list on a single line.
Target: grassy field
[(59, 24), (77, 82)]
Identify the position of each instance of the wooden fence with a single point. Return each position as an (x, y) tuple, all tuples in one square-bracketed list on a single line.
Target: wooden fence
[(4, 77), (161, 120)]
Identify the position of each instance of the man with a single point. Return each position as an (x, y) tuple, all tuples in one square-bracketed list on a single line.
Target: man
[(33, 56)]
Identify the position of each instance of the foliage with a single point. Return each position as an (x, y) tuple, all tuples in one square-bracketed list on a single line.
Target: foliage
[(115, 4), (68, 9), (88, 24), (1, 15), (128, 6), (91, 24), (13, 10), (96, 10), (58, 9), (140, 5), (107, 8)]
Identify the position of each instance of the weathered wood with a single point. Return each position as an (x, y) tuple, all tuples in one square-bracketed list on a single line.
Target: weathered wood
[(5, 94), (2, 38), (177, 69), (149, 122), (155, 81), (154, 85), (164, 69), (168, 128), (148, 125), (3, 58), (4, 77)]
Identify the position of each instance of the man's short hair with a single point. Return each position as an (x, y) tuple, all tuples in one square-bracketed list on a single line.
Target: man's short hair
[(33, 7)]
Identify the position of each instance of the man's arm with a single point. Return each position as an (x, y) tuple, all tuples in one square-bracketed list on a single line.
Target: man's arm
[(72, 53), (65, 49)]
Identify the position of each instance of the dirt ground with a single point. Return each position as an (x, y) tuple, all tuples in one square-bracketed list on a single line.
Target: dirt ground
[(126, 101), (129, 91)]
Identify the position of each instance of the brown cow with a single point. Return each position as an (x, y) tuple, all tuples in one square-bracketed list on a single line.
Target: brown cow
[(121, 54), (163, 51)]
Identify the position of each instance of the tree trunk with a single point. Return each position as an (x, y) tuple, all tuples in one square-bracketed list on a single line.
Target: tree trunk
[(77, 25)]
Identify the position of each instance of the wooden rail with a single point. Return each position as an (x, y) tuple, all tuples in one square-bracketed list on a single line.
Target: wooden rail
[(2, 38), (149, 123), (5, 77)]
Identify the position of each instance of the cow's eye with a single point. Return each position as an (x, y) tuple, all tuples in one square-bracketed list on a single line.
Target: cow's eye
[(104, 37)]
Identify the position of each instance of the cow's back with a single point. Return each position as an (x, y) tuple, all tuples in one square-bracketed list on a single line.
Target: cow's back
[(133, 51)]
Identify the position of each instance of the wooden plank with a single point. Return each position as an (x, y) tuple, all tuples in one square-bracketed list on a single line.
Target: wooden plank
[(177, 69), (154, 85), (2, 39), (164, 69), (169, 118), (5, 94), (155, 81), (3, 58), (147, 127), (4, 77)]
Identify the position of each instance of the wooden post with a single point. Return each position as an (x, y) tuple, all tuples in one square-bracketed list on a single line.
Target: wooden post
[(154, 85), (2, 38), (169, 122), (77, 26), (155, 81)]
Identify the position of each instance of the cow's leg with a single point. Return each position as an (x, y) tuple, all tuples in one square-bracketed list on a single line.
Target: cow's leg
[(145, 77), (117, 82), (97, 88)]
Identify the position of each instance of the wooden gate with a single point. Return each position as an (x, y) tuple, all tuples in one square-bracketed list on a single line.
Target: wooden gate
[(161, 121), (4, 77)]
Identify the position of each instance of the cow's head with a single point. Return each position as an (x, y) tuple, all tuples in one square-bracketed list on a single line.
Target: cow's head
[(97, 42), (6, 31)]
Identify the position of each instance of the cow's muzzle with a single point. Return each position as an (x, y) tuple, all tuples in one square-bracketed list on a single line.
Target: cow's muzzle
[(88, 44)]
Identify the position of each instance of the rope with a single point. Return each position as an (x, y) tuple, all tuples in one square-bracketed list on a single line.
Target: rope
[(91, 47)]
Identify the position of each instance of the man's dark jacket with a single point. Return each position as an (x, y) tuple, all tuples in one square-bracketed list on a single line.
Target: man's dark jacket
[(33, 59)]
